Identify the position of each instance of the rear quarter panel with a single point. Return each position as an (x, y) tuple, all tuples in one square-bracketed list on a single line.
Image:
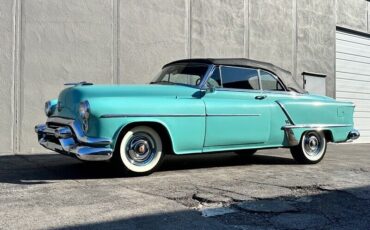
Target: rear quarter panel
[(327, 112)]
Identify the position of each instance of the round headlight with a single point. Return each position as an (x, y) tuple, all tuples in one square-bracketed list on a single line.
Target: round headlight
[(48, 108), (84, 110)]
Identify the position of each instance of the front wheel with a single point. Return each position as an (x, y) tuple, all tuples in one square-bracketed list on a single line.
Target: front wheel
[(311, 149), (141, 150)]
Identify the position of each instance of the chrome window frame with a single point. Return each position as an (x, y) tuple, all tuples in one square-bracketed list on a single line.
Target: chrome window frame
[(203, 84), (276, 78), (222, 88)]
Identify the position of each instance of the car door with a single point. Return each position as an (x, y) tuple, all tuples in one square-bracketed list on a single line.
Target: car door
[(236, 111), (275, 92)]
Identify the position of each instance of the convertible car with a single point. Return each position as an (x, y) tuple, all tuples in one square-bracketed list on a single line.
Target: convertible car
[(195, 106)]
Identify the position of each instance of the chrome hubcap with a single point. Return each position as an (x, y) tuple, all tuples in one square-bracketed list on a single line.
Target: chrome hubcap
[(312, 144), (141, 149)]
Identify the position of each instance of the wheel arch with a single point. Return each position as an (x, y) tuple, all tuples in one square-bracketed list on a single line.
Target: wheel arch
[(327, 133), (157, 126)]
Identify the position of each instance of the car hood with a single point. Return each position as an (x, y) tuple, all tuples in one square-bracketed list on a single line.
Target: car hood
[(87, 91), (70, 98)]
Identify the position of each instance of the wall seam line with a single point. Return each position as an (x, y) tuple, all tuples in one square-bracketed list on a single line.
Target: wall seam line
[(189, 28), (295, 37), (249, 31), (17, 75), (13, 100), (245, 30), (115, 46)]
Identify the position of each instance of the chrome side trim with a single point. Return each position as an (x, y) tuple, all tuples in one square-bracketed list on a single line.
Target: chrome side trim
[(316, 126), (151, 115), (233, 115), (176, 115), (285, 112), (293, 140)]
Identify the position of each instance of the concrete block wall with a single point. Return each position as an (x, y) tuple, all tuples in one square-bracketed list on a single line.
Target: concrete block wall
[(45, 43), (7, 72)]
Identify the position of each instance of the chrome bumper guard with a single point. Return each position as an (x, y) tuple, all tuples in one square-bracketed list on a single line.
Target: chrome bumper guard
[(66, 136), (353, 135)]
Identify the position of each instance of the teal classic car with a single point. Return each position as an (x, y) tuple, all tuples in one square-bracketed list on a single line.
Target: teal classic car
[(195, 106)]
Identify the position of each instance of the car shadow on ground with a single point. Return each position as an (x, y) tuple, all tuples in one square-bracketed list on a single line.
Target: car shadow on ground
[(39, 168)]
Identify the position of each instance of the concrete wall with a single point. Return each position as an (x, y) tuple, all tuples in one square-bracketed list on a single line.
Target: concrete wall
[(218, 28), (45, 43), (7, 102), (316, 40), (353, 14), (62, 41), (151, 33)]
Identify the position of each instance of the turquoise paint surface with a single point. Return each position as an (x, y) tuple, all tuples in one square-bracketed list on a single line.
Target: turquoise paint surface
[(199, 122)]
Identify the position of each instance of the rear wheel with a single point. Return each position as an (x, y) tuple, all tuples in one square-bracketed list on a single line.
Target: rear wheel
[(311, 149), (141, 150)]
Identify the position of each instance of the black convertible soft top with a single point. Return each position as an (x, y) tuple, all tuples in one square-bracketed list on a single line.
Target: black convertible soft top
[(284, 75)]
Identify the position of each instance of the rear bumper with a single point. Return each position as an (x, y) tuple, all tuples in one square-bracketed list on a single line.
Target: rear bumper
[(353, 135), (66, 137)]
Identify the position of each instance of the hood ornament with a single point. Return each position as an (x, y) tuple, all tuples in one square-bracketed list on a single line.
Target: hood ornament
[(78, 83)]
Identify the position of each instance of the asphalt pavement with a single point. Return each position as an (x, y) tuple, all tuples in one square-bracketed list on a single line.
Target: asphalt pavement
[(204, 191)]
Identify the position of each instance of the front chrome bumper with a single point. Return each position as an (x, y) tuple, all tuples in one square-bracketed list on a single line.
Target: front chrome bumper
[(66, 136)]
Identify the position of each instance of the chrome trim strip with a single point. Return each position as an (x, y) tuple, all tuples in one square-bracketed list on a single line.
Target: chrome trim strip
[(290, 93), (316, 126), (239, 90), (151, 115), (233, 115), (286, 112), (292, 140), (176, 115)]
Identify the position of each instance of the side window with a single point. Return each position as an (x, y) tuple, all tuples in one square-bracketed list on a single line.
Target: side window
[(239, 78), (269, 82)]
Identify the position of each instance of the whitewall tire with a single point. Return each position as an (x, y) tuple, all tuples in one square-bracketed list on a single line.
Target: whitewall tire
[(141, 150), (311, 149)]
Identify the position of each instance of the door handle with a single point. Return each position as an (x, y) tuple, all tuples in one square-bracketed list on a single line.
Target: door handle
[(260, 97)]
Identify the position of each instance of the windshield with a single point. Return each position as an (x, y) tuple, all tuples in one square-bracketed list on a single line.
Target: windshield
[(182, 74)]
